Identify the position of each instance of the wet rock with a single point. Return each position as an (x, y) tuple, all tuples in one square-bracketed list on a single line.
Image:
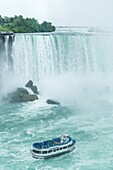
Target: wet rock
[(51, 101), (29, 84), (29, 97), (34, 89), (21, 95)]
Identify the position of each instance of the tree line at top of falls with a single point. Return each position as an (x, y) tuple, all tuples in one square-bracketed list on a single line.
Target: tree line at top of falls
[(27, 93), (18, 24)]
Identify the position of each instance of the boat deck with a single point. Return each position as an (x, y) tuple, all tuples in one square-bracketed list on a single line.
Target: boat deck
[(49, 143)]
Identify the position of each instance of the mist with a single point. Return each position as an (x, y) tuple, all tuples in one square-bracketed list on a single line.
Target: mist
[(10, 82), (81, 89)]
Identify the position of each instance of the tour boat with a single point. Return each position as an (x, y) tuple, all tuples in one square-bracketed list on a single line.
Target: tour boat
[(54, 147)]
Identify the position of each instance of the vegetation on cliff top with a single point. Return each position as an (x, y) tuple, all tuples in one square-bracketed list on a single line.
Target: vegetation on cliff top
[(18, 24)]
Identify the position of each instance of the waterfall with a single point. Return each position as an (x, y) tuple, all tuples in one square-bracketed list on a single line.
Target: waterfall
[(44, 56), (40, 55), (6, 60)]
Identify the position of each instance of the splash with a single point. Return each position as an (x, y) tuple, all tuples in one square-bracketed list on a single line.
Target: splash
[(79, 88)]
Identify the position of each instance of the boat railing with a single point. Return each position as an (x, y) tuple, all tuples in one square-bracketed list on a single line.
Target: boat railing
[(50, 150), (50, 143)]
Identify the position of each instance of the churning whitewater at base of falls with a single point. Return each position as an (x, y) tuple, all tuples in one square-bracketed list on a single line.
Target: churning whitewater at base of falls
[(73, 66)]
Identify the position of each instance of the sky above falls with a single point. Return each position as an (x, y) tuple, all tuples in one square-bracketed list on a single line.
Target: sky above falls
[(62, 12)]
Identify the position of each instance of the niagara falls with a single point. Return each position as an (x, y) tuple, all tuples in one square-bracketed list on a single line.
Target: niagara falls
[(56, 85), (74, 67)]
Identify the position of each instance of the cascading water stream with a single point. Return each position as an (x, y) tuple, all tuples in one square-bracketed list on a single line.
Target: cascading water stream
[(77, 70), (6, 62), (39, 56), (42, 57)]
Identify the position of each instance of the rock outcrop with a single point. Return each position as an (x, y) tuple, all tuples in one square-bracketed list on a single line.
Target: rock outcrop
[(29, 84), (32, 87), (51, 101), (22, 95)]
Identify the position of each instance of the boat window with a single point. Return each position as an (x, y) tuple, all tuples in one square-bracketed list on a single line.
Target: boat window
[(39, 152), (64, 147), (49, 151), (70, 145), (60, 148), (57, 149), (44, 152), (54, 150)]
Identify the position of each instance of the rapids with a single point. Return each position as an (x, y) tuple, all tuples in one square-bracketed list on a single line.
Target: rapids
[(76, 68)]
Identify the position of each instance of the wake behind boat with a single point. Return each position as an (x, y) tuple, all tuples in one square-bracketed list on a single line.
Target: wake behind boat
[(54, 147)]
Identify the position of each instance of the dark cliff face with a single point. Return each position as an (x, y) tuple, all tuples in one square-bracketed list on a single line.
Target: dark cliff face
[(2, 52), (10, 45), (6, 44), (6, 59)]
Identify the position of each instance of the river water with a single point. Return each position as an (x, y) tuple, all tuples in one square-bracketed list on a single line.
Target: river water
[(76, 69)]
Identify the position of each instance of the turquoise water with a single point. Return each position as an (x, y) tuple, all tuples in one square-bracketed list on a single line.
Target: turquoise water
[(23, 124), (75, 68)]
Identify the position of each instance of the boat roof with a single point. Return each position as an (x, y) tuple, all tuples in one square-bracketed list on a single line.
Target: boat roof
[(49, 143)]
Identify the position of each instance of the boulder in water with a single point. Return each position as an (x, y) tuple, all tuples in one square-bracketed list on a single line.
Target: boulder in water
[(29, 97), (51, 101), (29, 84), (21, 95), (34, 89)]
